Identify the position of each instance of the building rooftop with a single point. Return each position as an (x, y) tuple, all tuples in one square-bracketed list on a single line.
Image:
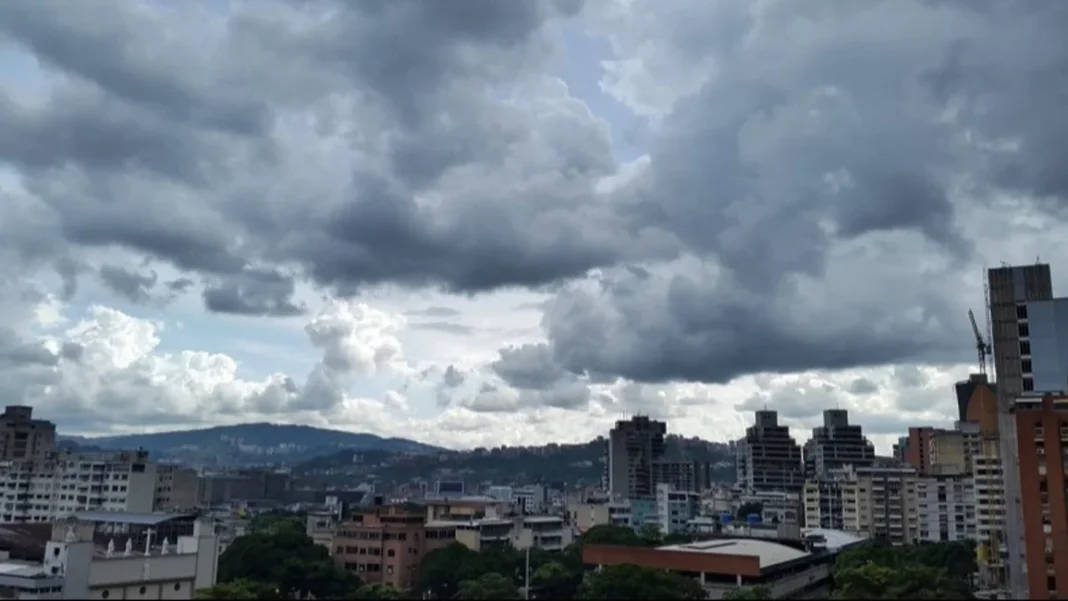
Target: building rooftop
[(770, 553), (24, 569), (836, 539), (543, 519), (124, 517), (28, 541), (468, 523)]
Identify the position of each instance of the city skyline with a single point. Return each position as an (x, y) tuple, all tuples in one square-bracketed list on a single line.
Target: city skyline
[(589, 215)]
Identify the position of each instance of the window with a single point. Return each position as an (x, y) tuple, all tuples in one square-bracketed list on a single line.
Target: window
[(1021, 311), (142, 590), (1051, 583), (390, 553), (1025, 366), (1025, 349), (1028, 384), (1025, 332)]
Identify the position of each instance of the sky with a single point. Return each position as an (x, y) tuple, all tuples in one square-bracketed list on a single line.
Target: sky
[(476, 223)]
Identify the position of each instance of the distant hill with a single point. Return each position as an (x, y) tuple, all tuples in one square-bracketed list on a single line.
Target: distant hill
[(573, 464), (249, 444)]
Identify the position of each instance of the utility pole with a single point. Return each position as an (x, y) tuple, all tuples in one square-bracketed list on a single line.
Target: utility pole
[(527, 578)]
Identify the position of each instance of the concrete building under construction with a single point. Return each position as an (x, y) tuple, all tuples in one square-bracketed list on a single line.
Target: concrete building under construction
[(1029, 338), (768, 459)]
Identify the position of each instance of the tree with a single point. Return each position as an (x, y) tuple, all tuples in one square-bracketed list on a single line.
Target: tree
[(239, 589), (748, 594), (635, 582), (442, 570), (376, 591), (651, 534), (553, 580), (487, 586), (908, 581), (286, 560)]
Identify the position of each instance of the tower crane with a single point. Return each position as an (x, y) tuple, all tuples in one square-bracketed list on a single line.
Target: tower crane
[(981, 345)]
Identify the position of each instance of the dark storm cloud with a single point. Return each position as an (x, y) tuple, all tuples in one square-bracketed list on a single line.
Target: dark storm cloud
[(134, 286), (164, 144), (530, 366), (812, 176), (254, 292), (807, 198)]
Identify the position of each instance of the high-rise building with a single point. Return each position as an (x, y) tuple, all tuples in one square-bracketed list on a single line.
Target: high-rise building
[(946, 507), (1018, 298), (43, 490), (632, 448), (22, 437), (939, 451), (1041, 426), (675, 508), (836, 444), (768, 458), (682, 474), (878, 502)]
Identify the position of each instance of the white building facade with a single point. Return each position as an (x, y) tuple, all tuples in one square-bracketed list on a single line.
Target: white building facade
[(64, 483), (945, 508)]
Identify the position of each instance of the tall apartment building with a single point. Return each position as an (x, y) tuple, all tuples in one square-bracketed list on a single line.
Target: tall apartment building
[(940, 451), (675, 508), (177, 488), (836, 444), (632, 448), (1027, 358), (877, 502), (22, 437), (768, 458), (1041, 425), (682, 474), (43, 490), (945, 505)]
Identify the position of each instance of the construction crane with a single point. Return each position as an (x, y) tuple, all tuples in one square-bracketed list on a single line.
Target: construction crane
[(980, 345)]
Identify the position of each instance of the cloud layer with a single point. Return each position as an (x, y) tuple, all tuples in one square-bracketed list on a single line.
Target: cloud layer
[(818, 188)]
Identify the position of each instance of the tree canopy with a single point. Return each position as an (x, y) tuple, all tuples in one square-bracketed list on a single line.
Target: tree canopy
[(923, 571), (287, 560), (755, 593), (487, 586), (635, 582)]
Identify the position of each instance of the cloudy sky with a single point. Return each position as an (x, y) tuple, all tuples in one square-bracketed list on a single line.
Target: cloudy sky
[(482, 222)]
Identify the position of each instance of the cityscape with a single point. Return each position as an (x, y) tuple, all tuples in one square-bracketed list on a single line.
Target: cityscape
[(776, 525), (533, 299)]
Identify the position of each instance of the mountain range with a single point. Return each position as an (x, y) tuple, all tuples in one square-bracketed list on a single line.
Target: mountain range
[(248, 444), (573, 464)]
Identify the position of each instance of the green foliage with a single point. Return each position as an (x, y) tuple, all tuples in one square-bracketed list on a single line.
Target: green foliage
[(924, 571), (287, 560), (375, 591), (635, 582), (487, 586), (748, 594), (555, 580), (273, 523), (651, 533), (908, 581), (239, 589)]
